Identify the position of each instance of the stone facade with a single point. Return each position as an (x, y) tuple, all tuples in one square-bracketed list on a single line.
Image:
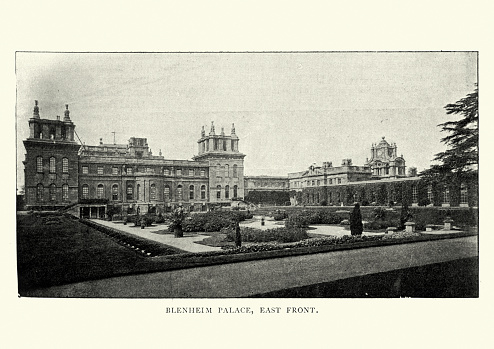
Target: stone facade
[(59, 172), (384, 161)]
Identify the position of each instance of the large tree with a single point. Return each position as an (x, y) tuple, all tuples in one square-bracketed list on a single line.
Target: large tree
[(460, 160)]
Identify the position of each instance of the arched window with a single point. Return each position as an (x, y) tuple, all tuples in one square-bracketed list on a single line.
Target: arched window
[(218, 191), (235, 191), (191, 192), (166, 193), (414, 194), (138, 192), (52, 165), (430, 194), (218, 170), (203, 192), (463, 194), (114, 192), (130, 192), (65, 165), (100, 191), (65, 192), (179, 192), (39, 192), (446, 195), (227, 192), (85, 191), (227, 171), (152, 192), (52, 133), (53, 192), (39, 164), (235, 174)]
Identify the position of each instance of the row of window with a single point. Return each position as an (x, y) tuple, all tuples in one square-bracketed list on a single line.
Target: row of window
[(100, 192), (218, 144), (130, 171), (225, 171), (227, 191), (40, 193), (317, 182), (52, 165)]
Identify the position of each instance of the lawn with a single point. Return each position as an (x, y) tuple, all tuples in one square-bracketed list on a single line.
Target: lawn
[(68, 251)]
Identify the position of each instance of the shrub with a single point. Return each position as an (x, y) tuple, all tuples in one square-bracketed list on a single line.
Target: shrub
[(257, 235)]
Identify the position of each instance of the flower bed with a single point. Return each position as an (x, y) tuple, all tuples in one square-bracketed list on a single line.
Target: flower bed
[(212, 221), (257, 235)]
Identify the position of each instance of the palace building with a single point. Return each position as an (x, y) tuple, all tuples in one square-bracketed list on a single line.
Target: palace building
[(61, 173), (89, 180)]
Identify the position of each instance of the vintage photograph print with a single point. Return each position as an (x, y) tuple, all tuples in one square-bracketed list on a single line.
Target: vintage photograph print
[(247, 174)]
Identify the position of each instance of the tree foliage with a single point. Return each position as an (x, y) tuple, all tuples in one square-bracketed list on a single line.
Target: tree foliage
[(460, 160)]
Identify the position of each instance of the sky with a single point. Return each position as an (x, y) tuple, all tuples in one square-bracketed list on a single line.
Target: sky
[(290, 109)]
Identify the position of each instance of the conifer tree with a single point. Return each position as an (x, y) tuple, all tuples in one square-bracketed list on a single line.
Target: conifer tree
[(460, 160)]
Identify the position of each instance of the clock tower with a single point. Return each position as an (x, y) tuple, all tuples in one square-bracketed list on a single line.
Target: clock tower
[(385, 162)]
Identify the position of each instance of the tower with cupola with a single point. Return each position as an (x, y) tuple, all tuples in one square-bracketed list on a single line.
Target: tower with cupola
[(51, 162), (226, 164)]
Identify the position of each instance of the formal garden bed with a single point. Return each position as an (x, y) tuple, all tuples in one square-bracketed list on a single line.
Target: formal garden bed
[(56, 249)]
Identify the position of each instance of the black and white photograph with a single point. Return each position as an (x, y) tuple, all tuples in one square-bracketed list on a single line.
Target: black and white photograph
[(270, 174)]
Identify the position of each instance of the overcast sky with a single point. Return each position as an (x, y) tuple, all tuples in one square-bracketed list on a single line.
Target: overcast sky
[(290, 109)]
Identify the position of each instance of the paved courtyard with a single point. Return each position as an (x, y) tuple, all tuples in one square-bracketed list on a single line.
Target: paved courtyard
[(186, 243)]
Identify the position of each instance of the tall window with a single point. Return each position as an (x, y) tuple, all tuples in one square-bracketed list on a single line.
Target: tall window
[(100, 170), (179, 193), (166, 171), (166, 193), (203, 192), (414, 194), (224, 144), (85, 170), (114, 192), (227, 192), (65, 192), (85, 191), (39, 192), (39, 164), (233, 144), (218, 170), (330, 181), (235, 191), (179, 172), (203, 173), (152, 192), (100, 191), (227, 171), (191, 192), (114, 170), (129, 170), (52, 165), (53, 192), (463, 194), (191, 173), (130, 192), (218, 191), (430, 194), (138, 192), (235, 174), (65, 165), (446, 195)]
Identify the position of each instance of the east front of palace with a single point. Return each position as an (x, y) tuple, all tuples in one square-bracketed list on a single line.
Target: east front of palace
[(62, 173)]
